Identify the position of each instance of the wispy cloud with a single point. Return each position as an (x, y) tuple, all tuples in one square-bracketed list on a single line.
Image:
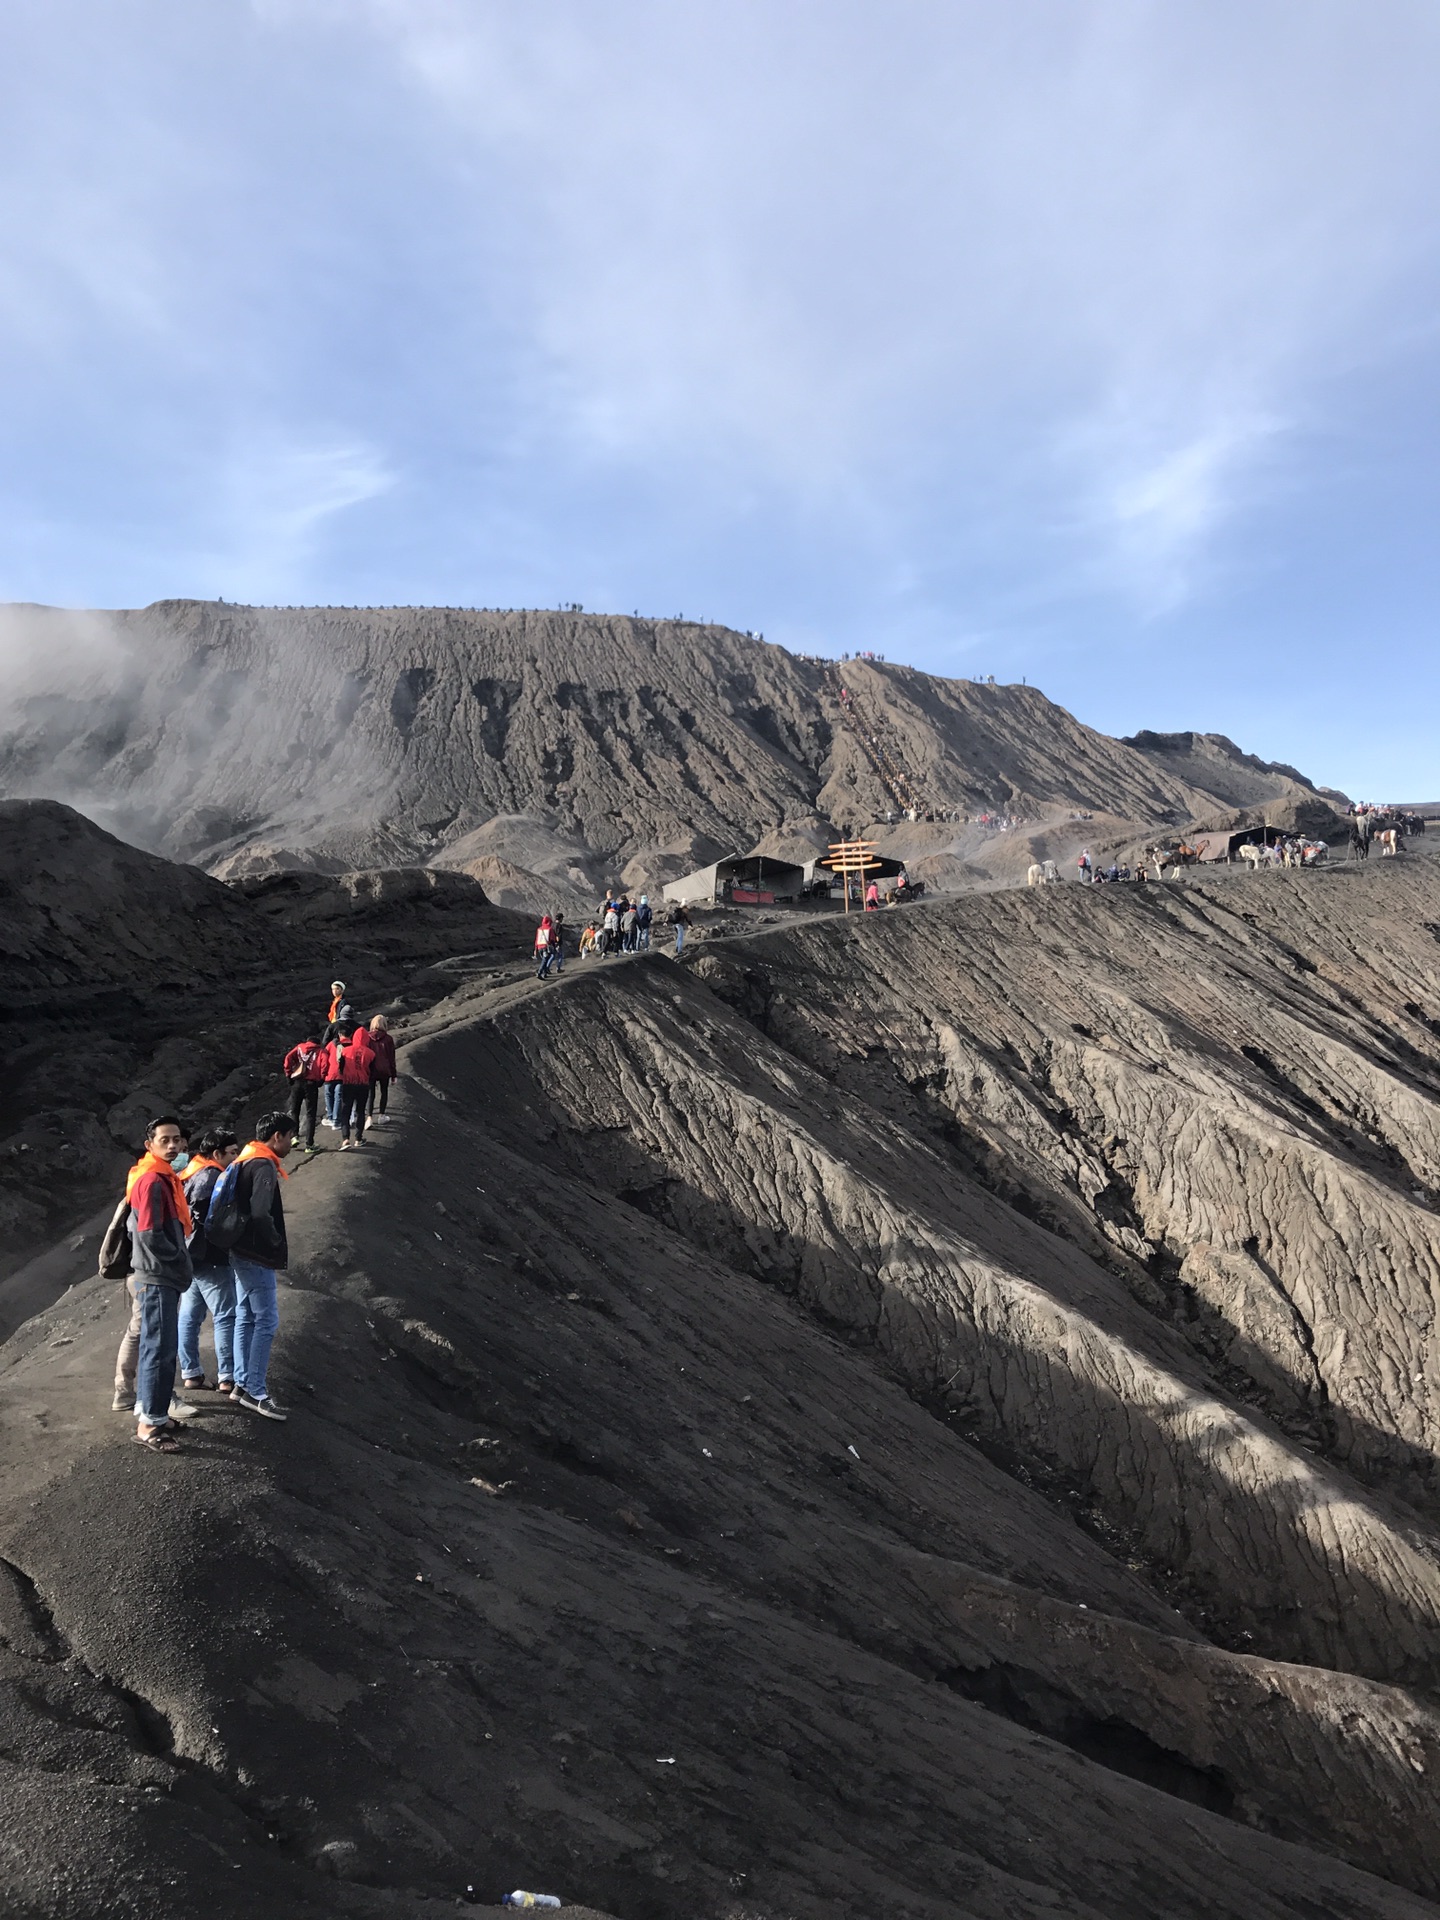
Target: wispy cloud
[(273, 504)]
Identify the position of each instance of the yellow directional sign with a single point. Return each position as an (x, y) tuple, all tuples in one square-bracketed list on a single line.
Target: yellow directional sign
[(852, 859)]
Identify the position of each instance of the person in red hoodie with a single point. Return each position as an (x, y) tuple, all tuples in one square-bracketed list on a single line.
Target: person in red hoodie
[(305, 1068), (352, 1062), (383, 1042)]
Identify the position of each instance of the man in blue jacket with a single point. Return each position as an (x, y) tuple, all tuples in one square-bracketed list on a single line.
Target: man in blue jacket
[(261, 1252), (213, 1287)]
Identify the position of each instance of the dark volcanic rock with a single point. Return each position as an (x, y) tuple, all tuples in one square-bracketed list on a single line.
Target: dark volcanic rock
[(931, 1416)]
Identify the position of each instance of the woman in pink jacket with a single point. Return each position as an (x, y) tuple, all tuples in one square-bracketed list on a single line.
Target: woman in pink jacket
[(383, 1041)]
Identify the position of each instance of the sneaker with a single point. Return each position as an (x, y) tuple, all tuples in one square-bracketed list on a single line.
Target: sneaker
[(266, 1407), (179, 1410), (123, 1402), (344, 1146), (312, 1149)]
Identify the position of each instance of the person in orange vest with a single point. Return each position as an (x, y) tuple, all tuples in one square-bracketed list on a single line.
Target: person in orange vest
[(261, 1251), (337, 1000), (160, 1228)]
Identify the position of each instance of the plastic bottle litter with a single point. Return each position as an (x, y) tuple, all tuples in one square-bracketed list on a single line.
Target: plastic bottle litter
[(522, 1899)]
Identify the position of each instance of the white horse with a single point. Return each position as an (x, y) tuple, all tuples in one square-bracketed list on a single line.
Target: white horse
[(1042, 873), (1256, 857), (1389, 842)]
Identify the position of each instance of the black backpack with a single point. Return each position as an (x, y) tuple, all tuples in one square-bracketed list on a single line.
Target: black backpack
[(117, 1251)]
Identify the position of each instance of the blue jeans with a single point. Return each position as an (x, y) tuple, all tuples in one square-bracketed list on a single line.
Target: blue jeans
[(214, 1290), (159, 1344), (332, 1101), (679, 939), (257, 1315)]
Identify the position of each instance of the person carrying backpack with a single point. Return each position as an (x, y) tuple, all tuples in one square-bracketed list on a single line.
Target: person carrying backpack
[(160, 1226), (338, 1023), (304, 1067), (246, 1217), (353, 1062), (383, 1041), (213, 1287)]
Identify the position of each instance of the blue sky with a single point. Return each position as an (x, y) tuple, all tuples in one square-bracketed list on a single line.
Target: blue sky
[(1093, 341)]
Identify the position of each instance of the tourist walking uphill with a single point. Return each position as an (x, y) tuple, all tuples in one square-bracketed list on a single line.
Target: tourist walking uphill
[(385, 1070), (305, 1067), (340, 1021), (353, 1063)]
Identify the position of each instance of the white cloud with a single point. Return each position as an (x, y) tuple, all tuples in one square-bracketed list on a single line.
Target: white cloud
[(835, 250), (273, 503)]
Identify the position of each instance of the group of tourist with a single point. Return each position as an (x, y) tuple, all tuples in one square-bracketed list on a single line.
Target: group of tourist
[(1093, 875), (203, 1233), (622, 925), (352, 1064)]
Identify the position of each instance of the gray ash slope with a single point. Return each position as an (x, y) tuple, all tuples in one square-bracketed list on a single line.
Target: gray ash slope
[(581, 745), (820, 1430)]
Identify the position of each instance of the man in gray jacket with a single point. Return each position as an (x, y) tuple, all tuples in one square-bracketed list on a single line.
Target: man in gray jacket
[(160, 1261)]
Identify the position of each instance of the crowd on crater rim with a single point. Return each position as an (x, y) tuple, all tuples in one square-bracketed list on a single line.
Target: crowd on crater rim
[(618, 925), (204, 1233)]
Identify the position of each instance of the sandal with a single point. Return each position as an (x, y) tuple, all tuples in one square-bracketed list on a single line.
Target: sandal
[(158, 1442), (195, 1383)]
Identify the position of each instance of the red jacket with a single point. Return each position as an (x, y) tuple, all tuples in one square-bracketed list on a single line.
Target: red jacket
[(352, 1065), (312, 1058), (384, 1045)]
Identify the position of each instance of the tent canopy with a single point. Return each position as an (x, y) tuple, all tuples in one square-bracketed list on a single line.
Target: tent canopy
[(746, 873)]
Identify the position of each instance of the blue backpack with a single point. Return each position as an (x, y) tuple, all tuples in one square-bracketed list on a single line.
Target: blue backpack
[(227, 1216)]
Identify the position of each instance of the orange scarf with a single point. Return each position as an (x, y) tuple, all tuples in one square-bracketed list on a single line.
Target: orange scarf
[(335, 1006), (257, 1150), (152, 1163)]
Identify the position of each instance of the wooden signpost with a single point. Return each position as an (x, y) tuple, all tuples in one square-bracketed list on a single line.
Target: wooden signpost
[(853, 859)]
